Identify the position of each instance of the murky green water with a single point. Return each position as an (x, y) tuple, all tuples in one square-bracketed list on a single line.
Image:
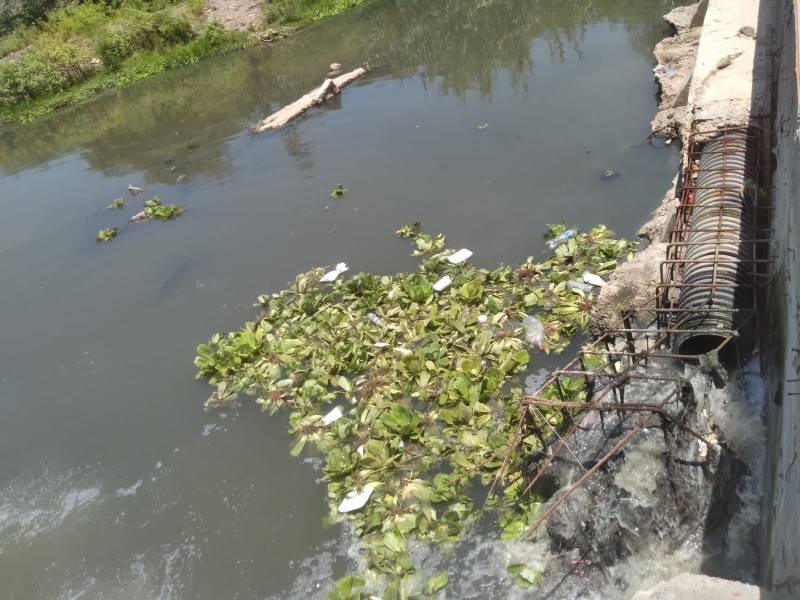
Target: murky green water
[(113, 481)]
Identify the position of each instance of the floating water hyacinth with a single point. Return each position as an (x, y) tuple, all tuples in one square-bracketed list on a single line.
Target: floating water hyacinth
[(426, 404)]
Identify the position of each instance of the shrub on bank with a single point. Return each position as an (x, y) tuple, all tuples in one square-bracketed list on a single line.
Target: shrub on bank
[(138, 30), (55, 51), (42, 72)]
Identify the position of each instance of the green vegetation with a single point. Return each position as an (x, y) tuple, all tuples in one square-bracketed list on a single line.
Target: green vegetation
[(76, 52), (524, 576), (413, 395), (64, 56), (338, 191), (297, 13), (155, 209), (106, 235)]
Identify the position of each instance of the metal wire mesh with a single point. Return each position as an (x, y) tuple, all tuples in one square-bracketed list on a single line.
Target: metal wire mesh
[(597, 378), (716, 262)]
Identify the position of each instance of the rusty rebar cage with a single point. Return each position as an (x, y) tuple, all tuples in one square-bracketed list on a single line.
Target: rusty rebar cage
[(596, 379), (602, 370), (730, 248)]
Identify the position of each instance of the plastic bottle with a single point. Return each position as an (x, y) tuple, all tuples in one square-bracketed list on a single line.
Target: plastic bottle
[(563, 238), (375, 319), (579, 285), (534, 331)]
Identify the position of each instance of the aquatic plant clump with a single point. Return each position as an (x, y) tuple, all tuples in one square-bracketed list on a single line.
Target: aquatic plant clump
[(155, 209), (106, 235), (413, 394)]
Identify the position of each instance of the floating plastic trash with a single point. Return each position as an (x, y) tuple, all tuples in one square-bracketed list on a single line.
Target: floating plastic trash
[(563, 238), (139, 216), (375, 319), (460, 256), (577, 285), (381, 345), (403, 351), (593, 279), (443, 283), (355, 500), (332, 416), (534, 331), (483, 319), (360, 450), (332, 275), (135, 191)]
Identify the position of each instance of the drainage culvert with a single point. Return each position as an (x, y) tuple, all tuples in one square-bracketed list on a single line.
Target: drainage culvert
[(715, 245)]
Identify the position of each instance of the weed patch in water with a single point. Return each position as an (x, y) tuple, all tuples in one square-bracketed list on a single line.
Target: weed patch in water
[(106, 235), (155, 209), (413, 395)]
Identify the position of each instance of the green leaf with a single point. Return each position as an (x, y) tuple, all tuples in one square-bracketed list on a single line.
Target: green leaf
[(392, 591), (345, 384), (424, 379), (349, 584), (461, 460), (525, 576), (394, 542), (436, 583)]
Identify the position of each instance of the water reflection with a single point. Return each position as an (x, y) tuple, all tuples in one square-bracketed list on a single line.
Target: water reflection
[(185, 119)]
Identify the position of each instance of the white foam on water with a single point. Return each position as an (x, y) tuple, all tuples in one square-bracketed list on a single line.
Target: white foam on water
[(34, 505), (739, 409), (130, 490), (314, 576), (657, 562), (176, 570), (209, 428), (163, 574)]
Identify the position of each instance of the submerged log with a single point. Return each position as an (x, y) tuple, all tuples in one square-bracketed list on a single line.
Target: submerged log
[(328, 89)]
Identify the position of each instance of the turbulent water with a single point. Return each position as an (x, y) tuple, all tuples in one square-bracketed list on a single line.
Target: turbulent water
[(113, 481)]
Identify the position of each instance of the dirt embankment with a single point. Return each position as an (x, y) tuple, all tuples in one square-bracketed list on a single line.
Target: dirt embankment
[(235, 14)]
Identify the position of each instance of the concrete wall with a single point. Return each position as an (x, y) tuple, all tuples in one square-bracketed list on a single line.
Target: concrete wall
[(781, 550)]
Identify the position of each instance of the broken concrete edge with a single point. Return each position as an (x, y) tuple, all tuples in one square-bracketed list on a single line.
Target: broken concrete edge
[(691, 585)]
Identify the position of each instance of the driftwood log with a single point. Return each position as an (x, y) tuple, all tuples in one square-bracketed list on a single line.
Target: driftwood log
[(328, 89)]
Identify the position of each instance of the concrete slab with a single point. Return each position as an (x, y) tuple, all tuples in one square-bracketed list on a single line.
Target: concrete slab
[(722, 85), (689, 585)]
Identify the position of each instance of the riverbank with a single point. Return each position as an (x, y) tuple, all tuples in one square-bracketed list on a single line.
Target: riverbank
[(65, 56)]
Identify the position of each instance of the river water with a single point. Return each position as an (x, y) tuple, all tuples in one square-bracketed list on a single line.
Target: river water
[(113, 481)]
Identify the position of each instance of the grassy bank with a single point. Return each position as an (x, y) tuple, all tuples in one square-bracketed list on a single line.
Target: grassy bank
[(70, 54)]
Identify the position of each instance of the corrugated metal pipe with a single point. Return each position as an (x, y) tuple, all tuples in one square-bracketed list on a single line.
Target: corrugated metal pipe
[(718, 270)]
